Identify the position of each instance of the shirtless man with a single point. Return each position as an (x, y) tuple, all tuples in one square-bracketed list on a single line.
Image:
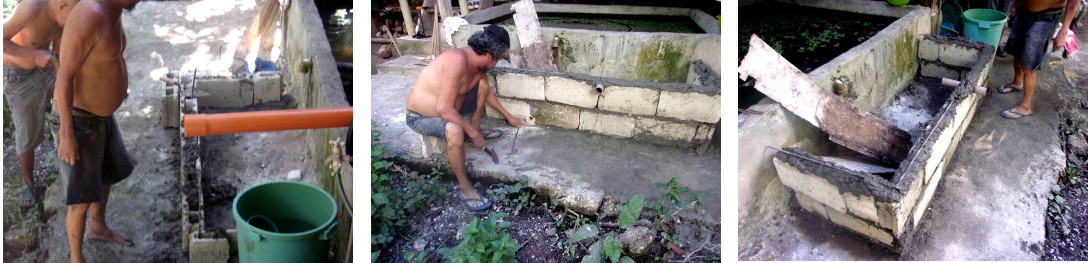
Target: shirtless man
[(91, 84), (29, 73), (1032, 26), (453, 89)]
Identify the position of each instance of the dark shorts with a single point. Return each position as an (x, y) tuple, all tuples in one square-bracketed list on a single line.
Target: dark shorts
[(436, 126), (1029, 36), (103, 159)]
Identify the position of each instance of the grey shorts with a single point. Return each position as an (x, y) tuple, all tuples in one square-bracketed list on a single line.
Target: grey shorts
[(27, 92), (436, 126), (103, 159), (1029, 37)]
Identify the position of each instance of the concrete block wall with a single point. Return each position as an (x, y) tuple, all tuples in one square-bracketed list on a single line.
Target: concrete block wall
[(887, 211), (664, 114), (238, 92), (875, 71)]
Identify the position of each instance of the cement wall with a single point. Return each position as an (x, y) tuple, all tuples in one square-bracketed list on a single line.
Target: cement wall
[(304, 38), (887, 211), (875, 71)]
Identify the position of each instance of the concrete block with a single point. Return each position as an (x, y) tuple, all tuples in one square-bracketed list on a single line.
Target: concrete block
[(690, 106), (811, 205), (814, 186), (571, 92), (906, 204), (931, 187), (615, 125), (629, 100), (208, 249), (224, 93), (934, 70), (928, 49), (667, 130), (555, 114), (267, 87), (957, 55), (432, 146), (171, 110), (520, 86), (886, 219), (860, 226), (863, 206), (704, 133), (517, 108)]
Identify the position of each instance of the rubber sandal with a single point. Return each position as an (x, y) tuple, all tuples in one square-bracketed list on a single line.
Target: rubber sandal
[(465, 201), (1012, 114), (491, 134), (1006, 89), (26, 199)]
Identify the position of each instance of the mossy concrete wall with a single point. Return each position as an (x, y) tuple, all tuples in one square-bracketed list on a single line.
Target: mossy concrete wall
[(657, 56), (875, 72), (304, 38)]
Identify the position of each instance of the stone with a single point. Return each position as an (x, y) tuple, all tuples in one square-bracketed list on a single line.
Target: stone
[(629, 100), (928, 49), (570, 92), (555, 114), (208, 249), (615, 125), (957, 55), (637, 240), (520, 86), (611, 206), (294, 175), (665, 130), (690, 106), (934, 70), (863, 206), (420, 244), (1077, 145), (813, 186)]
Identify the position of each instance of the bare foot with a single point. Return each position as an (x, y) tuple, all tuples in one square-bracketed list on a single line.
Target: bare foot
[(109, 235)]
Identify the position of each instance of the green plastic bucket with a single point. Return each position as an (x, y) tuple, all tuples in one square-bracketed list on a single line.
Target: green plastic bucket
[(284, 221), (984, 25)]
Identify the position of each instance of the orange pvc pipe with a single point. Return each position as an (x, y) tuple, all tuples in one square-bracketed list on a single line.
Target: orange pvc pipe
[(277, 120)]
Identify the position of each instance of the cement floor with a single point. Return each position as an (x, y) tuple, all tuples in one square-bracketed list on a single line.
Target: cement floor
[(582, 166), (989, 206)]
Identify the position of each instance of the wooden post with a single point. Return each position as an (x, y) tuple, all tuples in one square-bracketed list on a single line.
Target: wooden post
[(484, 4), (406, 11), (464, 6), (536, 53), (845, 123)]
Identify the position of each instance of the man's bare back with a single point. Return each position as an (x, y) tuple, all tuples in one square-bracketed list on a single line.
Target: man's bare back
[(29, 31), (1040, 5)]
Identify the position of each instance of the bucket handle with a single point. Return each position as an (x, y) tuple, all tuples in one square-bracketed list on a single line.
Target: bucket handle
[(984, 25), (266, 220), (331, 231)]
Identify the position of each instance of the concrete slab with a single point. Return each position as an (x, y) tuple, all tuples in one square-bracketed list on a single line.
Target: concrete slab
[(989, 206), (579, 168)]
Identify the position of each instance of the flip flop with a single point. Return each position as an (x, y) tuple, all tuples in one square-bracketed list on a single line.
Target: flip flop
[(1012, 114), (491, 134), (465, 201), (126, 241), (26, 199), (1006, 89)]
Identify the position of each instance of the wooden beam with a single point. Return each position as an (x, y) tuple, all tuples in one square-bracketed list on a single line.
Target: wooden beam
[(406, 12), (536, 54), (845, 123)]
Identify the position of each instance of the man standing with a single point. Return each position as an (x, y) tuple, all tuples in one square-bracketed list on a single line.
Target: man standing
[(1032, 27), (91, 84), (29, 73), (453, 89)]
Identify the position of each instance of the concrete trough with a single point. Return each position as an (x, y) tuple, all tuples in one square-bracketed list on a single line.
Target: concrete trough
[(882, 204)]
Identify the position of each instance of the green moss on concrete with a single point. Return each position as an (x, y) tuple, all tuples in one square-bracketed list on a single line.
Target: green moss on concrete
[(554, 115), (661, 63)]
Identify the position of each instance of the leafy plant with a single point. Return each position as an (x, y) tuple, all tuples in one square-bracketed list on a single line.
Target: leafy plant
[(631, 209), (483, 241), (391, 205), (607, 249), (520, 197), (415, 257), (1058, 210)]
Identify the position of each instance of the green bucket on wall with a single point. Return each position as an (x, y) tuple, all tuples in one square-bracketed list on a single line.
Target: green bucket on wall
[(284, 221), (984, 25)]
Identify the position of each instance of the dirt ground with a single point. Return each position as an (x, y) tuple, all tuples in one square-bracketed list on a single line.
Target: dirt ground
[(1073, 182)]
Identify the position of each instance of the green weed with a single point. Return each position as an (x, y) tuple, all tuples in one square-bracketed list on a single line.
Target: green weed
[(484, 241)]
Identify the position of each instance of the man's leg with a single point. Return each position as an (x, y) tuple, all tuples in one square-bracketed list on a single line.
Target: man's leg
[(26, 163), (455, 150), (97, 229), (76, 219), (1029, 89)]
